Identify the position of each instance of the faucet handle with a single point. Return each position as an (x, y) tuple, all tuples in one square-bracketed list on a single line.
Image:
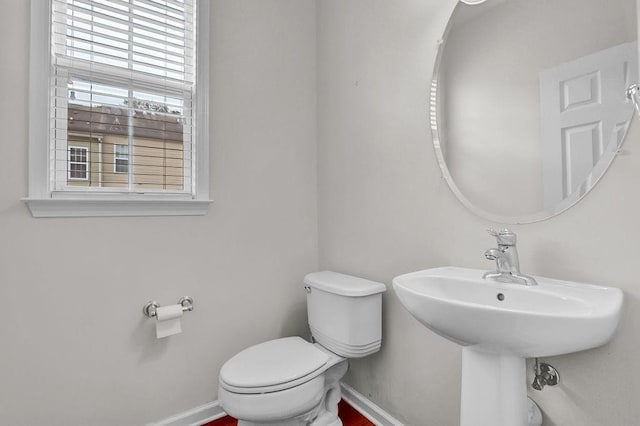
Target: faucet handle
[(504, 237)]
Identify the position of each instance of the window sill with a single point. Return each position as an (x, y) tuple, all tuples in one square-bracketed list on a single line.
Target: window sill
[(65, 207)]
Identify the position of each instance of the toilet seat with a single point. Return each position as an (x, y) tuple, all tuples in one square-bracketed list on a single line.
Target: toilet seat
[(274, 366)]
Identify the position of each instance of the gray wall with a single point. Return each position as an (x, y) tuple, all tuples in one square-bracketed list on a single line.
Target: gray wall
[(75, 349), (385, 210)]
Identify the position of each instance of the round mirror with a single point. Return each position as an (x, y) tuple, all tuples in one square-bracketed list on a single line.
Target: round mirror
[(528, 105)]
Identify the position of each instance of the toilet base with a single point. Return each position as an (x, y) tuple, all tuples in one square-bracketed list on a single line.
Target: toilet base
[(334, 421), (329, 420)]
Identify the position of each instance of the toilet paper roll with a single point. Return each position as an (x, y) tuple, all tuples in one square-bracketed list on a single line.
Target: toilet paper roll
[(168, 320)]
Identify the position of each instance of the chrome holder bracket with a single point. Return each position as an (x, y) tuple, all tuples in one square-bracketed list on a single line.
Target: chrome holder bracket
[(150, 308), (187, 303)]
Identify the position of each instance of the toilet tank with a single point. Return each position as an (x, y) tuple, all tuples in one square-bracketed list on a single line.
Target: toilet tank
[(345, 313)]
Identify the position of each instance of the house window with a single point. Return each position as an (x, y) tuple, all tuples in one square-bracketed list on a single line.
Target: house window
[(78, 166), (134, 72), (121, 159)]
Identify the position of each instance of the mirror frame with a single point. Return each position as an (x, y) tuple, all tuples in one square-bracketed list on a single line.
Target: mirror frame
[(585, 187)]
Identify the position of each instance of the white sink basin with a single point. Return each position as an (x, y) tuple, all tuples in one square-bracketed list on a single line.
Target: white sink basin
[(499, 325), (553, 318)]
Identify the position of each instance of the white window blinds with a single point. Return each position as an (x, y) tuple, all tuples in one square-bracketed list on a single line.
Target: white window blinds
[(123, 88)]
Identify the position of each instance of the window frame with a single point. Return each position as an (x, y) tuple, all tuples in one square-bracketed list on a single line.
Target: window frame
[(120, 157), (70, 161), (41, 199)]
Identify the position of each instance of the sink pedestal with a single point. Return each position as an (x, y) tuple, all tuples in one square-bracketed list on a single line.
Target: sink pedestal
[(494, 389)]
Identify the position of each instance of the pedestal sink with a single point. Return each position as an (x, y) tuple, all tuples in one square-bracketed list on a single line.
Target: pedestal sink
[(499, 325)]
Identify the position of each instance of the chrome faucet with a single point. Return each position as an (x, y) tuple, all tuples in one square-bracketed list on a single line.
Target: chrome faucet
[(506, 257)]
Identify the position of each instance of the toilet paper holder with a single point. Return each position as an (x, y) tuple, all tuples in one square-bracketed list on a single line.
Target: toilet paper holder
[(150, 308)]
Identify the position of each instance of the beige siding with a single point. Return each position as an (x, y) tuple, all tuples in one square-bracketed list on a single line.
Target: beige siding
[(158, 164)]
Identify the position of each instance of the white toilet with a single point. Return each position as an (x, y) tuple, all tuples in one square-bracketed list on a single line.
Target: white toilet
[(291, 382)]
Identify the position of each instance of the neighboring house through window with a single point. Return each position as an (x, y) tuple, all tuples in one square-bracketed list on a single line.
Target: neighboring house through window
[(125, 114)]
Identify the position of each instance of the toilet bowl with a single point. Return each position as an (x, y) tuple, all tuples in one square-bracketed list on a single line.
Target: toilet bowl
[(284, 381), (292, 382)]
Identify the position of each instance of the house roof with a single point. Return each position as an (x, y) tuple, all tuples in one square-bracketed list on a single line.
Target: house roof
[(108, 120)]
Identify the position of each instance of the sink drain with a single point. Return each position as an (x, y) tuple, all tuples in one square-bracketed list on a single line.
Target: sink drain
[(500, 297)]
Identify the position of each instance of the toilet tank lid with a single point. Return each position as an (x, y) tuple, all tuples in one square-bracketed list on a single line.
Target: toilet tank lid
[(343, 285)]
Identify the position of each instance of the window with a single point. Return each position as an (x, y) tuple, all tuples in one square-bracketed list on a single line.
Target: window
[(121, 159), (78, 163), (131, 77)]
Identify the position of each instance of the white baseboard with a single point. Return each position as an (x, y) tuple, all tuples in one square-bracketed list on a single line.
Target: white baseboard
[(194, 417), (212, 411), (364, 406)]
